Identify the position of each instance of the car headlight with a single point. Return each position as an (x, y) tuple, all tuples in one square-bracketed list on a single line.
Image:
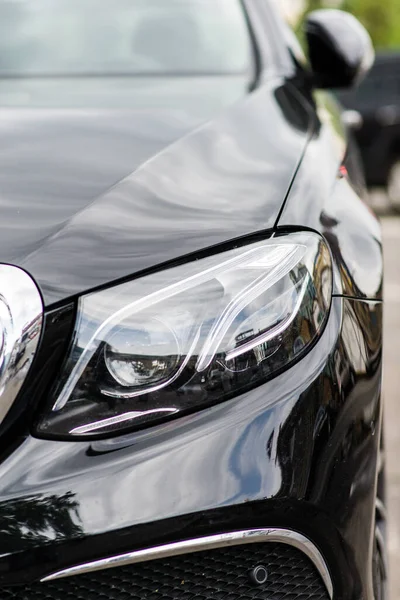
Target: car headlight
[(190, 336)]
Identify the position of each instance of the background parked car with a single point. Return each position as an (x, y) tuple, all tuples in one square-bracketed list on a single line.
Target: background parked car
[(373, 112)]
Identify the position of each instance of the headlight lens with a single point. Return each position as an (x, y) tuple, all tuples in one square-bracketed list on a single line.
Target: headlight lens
[(191, 336)]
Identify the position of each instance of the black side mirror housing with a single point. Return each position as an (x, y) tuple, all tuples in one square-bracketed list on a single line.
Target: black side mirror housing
[(340, 48)]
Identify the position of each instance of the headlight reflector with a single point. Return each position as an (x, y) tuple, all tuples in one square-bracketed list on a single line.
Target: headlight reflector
[(190, 336)]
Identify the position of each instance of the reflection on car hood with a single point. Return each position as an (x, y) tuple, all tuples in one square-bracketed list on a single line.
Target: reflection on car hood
[(88, 197)]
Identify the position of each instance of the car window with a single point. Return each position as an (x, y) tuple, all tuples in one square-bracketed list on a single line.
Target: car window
[(104, 37)]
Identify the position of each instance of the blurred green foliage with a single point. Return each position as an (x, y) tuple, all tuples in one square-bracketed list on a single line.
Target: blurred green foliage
[(380, 17)]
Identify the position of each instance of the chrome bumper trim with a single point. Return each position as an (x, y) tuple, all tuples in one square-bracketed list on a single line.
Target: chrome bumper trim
[(210, 542)]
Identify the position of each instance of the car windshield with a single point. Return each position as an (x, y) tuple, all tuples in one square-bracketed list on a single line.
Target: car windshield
[(44, 38)]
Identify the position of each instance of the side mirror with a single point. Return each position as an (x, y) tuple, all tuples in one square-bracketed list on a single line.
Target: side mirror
[(340, 48)]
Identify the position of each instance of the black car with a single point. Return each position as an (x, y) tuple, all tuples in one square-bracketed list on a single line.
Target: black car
[(373, 112), (190, 308)]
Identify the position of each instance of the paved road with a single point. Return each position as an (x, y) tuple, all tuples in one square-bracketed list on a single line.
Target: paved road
[(391, 385)]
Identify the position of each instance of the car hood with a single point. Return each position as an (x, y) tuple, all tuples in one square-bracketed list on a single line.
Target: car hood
[(91, 196)]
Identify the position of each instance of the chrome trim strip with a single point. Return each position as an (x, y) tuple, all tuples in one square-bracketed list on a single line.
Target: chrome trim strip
[(21, 316), (222, 540), (128, 416)]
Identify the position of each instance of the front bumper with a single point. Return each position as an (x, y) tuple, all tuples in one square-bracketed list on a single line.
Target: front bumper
[(298, 453)]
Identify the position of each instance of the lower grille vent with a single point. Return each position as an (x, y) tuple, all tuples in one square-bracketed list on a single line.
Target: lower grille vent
[(267, 571)]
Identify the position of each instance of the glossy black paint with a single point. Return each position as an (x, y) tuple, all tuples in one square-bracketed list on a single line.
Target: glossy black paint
[(303, 444), (149, 217), (322, 201), (224, 180)]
